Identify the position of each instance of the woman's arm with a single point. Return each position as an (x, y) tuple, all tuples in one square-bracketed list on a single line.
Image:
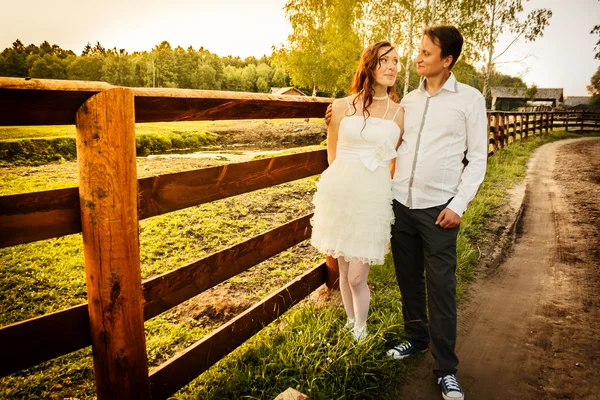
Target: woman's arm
[(337, 114)]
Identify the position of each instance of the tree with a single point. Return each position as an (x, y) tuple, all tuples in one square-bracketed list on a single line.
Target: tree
[(497, 16), (48, 67), (324, 46), (118, 70), (205, 77), (594, 31), (163, 66), (594, 87), (85, 68), (13, 61)]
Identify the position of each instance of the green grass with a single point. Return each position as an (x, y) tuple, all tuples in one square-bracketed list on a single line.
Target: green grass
[(303, 349), (37, 145), (38, 132)]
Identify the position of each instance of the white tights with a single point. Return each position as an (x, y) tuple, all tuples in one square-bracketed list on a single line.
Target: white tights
[(355, 291)]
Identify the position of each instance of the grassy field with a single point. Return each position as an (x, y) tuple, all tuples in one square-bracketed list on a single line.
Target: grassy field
[(304, 349), (39, 132), (38, 145)]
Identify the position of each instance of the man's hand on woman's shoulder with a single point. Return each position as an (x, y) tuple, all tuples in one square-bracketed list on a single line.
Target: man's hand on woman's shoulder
[(328, 114)]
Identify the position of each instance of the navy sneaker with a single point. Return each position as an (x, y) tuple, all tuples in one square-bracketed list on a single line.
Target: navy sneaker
[(404, 350), (451, 390)]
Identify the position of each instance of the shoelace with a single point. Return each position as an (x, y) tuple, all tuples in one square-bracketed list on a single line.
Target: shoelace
[(404, 347), (451, 383)]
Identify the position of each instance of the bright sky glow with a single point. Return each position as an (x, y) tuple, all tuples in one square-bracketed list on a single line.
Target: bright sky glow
[(562, 58)]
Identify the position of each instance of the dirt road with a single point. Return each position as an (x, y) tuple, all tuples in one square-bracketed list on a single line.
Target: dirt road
[(530, 329)]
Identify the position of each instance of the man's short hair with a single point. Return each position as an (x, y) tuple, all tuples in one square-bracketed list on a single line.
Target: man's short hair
[(448, 38)]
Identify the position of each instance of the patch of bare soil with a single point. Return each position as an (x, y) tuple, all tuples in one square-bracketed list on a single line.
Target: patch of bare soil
[(270, 135), (225, 301), (530, 327)]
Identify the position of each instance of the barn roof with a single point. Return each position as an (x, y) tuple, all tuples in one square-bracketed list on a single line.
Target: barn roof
[(543, 94)]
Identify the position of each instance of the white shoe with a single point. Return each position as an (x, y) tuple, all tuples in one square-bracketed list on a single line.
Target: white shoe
[(360, 334), (348, 325)]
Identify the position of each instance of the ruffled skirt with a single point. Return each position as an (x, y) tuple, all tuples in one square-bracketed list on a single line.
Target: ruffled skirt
[(353, 212)]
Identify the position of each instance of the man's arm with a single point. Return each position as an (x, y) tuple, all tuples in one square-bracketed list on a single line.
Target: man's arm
[(477, 149)]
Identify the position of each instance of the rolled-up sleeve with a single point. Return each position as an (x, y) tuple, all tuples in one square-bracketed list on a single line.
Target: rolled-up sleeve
[(477, 149)]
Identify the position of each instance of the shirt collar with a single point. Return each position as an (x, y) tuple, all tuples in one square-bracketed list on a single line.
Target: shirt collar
[(450, 85)]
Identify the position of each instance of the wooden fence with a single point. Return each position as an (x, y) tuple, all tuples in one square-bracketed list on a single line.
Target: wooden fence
[(109, 202)]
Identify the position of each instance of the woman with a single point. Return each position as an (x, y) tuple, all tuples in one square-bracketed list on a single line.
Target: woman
[(353, 202)]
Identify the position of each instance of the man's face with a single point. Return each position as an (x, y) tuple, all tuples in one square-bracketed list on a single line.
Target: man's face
[(429, 61)]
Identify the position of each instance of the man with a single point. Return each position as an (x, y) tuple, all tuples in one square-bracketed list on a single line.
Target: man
[(445, 121)]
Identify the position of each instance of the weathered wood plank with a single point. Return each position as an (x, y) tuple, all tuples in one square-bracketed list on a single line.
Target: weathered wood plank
[(39, 339), (35, 216), (187, 365), (108, 203), (55, 102), (172, 192), (42, 215)]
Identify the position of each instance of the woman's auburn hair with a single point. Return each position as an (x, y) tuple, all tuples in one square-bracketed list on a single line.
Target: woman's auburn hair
[(364, 78)]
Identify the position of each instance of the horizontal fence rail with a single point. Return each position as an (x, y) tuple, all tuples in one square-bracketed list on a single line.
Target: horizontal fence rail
[(39, 339), (54, 102), (35, 216), (187, 365)]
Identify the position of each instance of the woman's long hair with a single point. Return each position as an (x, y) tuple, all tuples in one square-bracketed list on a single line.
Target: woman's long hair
[(364, 78)]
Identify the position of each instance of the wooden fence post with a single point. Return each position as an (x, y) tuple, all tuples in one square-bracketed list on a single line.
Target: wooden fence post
[(544, 123), (581, 122), (489, 130), (495, 133), (509, 134), (521, 126), (526, 125), (333, 273), (500, 125), (552, 121), (108, 194), (566, 118)]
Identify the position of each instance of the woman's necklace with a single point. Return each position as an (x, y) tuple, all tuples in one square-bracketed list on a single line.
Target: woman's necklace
[(380, 97)]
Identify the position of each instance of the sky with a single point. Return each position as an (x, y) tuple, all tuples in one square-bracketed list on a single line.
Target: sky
[(562, 58)]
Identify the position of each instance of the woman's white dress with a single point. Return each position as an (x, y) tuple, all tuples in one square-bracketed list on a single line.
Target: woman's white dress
[(353, 203)]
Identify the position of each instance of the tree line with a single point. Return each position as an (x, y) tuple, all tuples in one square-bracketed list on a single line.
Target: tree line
[(163, 66)]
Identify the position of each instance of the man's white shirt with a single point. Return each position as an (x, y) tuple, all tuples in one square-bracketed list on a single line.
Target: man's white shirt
[(439, 131)]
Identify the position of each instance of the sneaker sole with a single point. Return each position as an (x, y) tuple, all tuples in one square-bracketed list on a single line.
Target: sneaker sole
[(453, 398), (397, 356)]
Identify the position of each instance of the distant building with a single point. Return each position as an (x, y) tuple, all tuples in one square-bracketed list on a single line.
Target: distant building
[(519, 94), (572, 101), (286, 91)]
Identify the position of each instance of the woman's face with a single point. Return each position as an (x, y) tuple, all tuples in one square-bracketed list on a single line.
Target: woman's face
[(387, 70)]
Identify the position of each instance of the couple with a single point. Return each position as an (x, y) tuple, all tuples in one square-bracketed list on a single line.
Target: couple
[(422, 141)]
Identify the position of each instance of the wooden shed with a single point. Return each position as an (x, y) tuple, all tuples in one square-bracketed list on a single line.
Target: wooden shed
[(554, 95), (572, 101), (286, 91)]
